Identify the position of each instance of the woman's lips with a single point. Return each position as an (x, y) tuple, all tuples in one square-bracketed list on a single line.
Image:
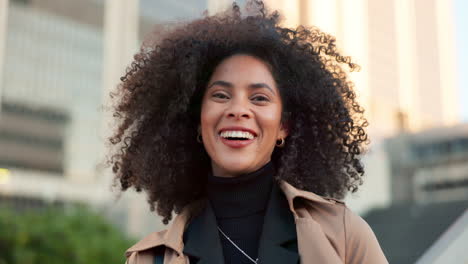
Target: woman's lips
[(236, 143)]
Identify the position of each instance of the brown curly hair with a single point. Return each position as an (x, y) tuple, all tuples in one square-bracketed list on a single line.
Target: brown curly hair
[(157, 108)]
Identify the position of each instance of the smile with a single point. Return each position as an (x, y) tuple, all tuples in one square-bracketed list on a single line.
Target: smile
[(237, 135), (237, 138)]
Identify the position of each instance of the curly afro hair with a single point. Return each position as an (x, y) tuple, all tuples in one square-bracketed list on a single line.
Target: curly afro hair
[(158, 103)]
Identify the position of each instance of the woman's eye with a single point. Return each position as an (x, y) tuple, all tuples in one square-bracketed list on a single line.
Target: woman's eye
[(220, 96), (260, 98)]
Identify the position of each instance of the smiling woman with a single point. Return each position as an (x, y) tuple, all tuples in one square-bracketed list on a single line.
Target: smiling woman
[(250, 133), (241, 116)]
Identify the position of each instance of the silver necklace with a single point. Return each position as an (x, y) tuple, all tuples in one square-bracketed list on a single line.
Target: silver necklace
[(238, 248)]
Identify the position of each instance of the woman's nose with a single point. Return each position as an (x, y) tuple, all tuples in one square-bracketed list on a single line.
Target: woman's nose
[(239, 109)]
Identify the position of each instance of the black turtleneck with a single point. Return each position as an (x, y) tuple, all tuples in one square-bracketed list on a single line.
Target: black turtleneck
[(239, 204)]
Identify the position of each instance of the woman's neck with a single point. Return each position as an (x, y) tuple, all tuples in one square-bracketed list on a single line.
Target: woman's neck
[(242, 195), (224, 173)]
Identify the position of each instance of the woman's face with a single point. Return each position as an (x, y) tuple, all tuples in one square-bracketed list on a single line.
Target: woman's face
[(241, 116)]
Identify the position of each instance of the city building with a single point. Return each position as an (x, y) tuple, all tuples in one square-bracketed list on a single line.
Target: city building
[(430, 166), (427, 220)]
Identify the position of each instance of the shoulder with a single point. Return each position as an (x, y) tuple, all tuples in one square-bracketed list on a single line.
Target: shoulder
[(356, 228), (361, 243), (350, 234), (152, 240), (147, 249), (169, 239)]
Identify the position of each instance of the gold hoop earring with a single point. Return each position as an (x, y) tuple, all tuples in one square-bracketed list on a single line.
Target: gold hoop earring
[(199, 138), (281, 143)]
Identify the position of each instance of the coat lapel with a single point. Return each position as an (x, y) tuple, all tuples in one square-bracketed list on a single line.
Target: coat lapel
[(202, 239), (278, 243)]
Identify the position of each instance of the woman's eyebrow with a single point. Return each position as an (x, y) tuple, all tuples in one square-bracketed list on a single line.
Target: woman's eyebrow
[(261, 85), (251, 86), (221, 83)]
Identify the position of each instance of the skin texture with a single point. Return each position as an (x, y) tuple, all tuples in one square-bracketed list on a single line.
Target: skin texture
[(242, 92), (158, 109)]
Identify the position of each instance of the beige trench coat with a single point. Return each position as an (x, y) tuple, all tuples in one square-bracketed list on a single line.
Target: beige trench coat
[(327, 232)]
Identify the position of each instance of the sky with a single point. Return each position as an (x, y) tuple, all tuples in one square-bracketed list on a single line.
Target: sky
[(461, 24)]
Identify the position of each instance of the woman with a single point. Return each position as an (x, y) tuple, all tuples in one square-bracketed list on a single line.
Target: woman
[(249, 132)]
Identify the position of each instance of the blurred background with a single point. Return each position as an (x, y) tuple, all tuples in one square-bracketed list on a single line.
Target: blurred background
[(59, 59)]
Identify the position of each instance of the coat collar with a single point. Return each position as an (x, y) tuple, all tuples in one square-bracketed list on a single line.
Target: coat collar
[(173, 236), (292, 193)]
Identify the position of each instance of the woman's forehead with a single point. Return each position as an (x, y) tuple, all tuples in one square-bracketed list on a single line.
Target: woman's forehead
[(243, 68)]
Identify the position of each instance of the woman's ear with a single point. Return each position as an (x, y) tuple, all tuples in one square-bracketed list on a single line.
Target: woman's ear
[(284, 130)]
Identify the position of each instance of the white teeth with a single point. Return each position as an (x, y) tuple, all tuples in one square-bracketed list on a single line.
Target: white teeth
[(236, 134)]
